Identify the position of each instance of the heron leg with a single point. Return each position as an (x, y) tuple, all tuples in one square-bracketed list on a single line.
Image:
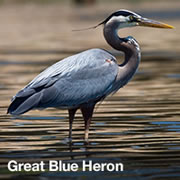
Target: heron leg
[(87, 112), (72, 113)]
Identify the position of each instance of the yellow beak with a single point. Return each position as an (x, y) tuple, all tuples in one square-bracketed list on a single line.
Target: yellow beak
[(152, 23)]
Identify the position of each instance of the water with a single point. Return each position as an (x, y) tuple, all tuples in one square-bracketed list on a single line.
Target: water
[(139, 126)]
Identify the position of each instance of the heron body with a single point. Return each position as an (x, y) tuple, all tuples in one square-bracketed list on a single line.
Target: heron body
[(82, 80), (71, 82)]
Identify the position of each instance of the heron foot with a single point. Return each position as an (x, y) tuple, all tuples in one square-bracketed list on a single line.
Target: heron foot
[(86, 141)]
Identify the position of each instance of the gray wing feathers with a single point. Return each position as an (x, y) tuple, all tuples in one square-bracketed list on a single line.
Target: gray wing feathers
[(85, 89), (90, 78), (26, 105), (75, 80)]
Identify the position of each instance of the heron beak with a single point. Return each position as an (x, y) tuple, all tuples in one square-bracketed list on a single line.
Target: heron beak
[(152, 23)]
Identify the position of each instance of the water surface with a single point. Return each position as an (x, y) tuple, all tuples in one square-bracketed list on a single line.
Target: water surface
[(139, 126)]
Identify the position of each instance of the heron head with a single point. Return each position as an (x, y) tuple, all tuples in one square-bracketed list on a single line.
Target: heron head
[(124, 18)]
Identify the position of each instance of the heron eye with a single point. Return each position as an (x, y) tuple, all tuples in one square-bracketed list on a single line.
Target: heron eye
[(131, 18)]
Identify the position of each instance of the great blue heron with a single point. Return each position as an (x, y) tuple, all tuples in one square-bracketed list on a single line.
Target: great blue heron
[(82, 80)]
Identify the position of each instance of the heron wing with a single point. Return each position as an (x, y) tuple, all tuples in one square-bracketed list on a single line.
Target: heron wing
[(90, 78), (75, 80)]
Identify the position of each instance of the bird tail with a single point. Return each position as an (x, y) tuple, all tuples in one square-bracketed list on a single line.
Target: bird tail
[(22, 104)]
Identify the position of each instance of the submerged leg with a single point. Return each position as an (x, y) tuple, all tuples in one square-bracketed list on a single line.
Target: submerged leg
[(87, 113), (71, 118)]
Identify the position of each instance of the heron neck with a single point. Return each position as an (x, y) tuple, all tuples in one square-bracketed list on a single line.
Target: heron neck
[(132, 53), (112, 38)]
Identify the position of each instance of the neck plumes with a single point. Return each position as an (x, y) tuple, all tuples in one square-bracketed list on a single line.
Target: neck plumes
[(130, 48)]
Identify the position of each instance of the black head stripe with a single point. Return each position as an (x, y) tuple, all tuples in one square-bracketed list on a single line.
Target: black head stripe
[(118, 13)]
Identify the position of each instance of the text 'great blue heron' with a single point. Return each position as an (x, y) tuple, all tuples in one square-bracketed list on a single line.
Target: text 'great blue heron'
[(82, 80)]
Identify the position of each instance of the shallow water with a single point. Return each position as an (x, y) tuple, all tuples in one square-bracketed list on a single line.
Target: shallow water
[(139, 126)]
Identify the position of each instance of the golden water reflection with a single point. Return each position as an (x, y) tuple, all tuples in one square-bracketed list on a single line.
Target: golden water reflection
[(138, 126)]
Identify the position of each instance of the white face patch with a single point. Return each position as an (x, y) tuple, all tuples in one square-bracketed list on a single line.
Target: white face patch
[(118, 19), (124, 21)]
